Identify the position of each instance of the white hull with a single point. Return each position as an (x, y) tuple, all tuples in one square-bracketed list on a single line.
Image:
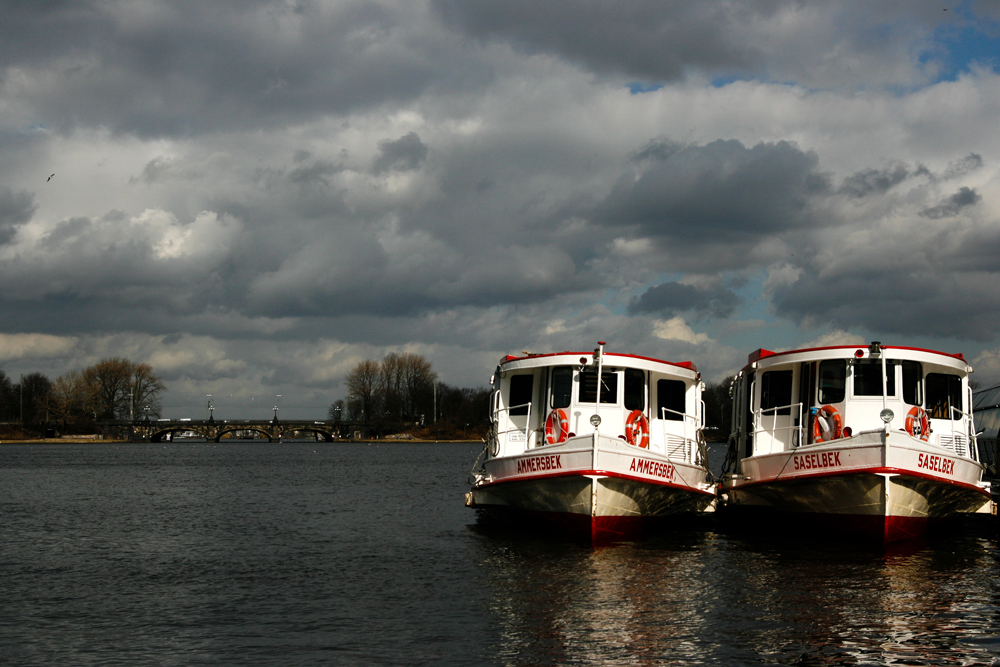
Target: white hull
[(594, 484), (887, 485)]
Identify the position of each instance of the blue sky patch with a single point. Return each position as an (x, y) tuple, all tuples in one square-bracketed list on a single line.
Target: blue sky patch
[(637, 87), (958, 47)]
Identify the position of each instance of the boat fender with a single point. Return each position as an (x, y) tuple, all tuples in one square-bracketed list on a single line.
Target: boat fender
[(828, 424), (556, 427), (637, 429), (917, 424)]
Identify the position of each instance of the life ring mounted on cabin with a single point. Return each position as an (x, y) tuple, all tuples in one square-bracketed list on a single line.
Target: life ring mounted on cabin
[(827, 424), (917, 424), (637, 429), (556, 427)]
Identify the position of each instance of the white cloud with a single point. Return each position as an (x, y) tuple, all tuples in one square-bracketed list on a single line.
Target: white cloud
[(34, 346), (676, 329)]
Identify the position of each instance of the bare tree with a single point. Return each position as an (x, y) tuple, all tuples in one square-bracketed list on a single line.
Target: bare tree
[(418, 383), (8, 399), (34, 391), (145, 389), (123, 389), (337, 411), (393, 390), (71, 399), (110, 380), (364, 385)]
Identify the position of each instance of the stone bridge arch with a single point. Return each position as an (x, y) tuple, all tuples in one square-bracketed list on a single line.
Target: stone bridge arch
[(211, 430)]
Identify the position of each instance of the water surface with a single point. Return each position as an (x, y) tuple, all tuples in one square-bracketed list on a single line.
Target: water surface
[(314, 553)]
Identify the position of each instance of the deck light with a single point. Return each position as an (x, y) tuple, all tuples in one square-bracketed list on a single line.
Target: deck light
[(886, 415), (875, 347), (595, 420)]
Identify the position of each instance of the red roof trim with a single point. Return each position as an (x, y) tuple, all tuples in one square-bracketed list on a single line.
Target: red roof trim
[(757, 355), (683, 364)]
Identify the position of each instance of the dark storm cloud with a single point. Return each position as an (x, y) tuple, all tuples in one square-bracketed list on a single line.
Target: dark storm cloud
[(403, 154), (966, 165), (697, 194), (898, 301), (185, 68), (648, 39), (319, 171), (672, 298), (873, 181), (16, 208), (661, 41), (953, 205)]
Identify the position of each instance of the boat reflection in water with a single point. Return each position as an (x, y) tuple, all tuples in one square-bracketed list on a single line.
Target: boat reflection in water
[(559, 602), (702, 596)]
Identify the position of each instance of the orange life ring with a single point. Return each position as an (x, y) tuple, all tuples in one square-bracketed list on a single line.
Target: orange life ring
[(556, 427), (917, 424), (830, 414), (637, 429)]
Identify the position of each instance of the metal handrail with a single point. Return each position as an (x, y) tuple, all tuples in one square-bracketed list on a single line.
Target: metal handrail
[(758, 421), (969, 432), (689, 440), (527, 421)]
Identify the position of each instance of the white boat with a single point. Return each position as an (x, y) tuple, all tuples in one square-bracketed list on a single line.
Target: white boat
[(874, 440), (602, 459)]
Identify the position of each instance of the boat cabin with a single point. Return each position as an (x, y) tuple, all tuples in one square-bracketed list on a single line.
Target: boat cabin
[(544, 400), (785, 400)]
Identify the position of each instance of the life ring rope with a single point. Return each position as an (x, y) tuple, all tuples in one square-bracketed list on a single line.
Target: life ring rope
[(637, 429), (827, 424), (556, 427), (917, 423)]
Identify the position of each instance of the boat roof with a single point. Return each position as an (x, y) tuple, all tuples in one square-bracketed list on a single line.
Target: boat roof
[(512, 362), (764, 357)]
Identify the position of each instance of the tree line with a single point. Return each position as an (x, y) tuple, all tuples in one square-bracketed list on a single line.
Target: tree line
[(403, 388), (110, 389), (718, 406)]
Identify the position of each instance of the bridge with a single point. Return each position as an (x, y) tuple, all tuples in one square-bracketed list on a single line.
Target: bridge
[(213, 430)]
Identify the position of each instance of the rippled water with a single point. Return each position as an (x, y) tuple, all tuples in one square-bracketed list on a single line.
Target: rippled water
[(308, 553)]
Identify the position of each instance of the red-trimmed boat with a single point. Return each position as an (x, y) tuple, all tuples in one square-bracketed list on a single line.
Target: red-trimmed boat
[(599, 443), (875, 440)]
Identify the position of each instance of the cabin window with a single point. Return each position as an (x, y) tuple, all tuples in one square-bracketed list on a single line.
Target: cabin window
[(832, 380), (944, 396), (670, 398), (868, 378), (776, 392), (635, 389), (588, 387), (912, 375), (520, 393), (562, 387)]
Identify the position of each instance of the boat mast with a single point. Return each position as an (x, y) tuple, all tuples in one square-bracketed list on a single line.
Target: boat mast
[(599, 357)]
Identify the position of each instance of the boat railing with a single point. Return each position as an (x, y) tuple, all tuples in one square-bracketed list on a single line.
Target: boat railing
[(508, 422), (681, 446), (794, 428), (961, 439)]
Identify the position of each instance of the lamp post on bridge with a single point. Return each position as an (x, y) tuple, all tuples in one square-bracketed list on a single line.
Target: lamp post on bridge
[(276, 403), (211, 409)]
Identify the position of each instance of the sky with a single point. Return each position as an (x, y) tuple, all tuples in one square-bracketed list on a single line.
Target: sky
[(252, 196)]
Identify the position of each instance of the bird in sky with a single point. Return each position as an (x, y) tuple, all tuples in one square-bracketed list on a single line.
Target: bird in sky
[(49, 178)]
